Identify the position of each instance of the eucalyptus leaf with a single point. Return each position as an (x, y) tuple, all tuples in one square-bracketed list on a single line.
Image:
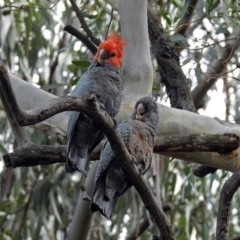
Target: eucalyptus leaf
[(176, 37), (222, 30), (218, 51), (198, 75), (209, 4), (184, 9), (74, 81), (81, 63)]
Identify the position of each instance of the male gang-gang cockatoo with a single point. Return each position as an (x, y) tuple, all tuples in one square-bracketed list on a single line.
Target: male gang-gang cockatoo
[(103, 80)]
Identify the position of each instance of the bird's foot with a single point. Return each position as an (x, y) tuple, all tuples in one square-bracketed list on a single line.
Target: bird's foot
[(115, 122), (83, 188), (92, 102), (91, 98), (86, 197)]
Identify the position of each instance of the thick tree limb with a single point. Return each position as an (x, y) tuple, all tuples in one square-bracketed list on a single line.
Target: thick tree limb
[(32, 155), (202, 143), (85, 40), (228, 190), (170, 70), (83, 23)]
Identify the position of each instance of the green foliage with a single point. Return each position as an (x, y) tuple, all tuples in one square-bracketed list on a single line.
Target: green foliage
[(82, 64)]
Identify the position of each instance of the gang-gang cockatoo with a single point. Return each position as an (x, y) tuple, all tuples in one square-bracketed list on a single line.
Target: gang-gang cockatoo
[(102, 80), (138, 134)]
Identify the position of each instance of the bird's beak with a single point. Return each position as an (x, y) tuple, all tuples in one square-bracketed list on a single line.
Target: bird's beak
[(140, 111), (102, 56)]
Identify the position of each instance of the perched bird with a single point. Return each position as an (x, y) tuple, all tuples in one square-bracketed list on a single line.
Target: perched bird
[(138, 134), (103, 80)]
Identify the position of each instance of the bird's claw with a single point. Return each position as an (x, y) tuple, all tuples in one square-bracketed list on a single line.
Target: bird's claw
[(86, 197), (115, 122), (91, 98), (83, 188)]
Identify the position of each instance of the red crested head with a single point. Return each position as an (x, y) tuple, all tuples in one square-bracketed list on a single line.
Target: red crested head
[(110, 50)]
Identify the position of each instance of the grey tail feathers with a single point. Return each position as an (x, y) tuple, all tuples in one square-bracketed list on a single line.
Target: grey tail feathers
[(100, 203), (82, 142), (77, 162)]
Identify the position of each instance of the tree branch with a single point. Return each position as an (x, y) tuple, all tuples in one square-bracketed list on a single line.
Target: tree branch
[(83, 23), (32, 155), (6, 183), (170, 70), (145, 224), (51, 154), (88, 43), (139, 229), (228, 190), (171, 73), (225, 143), (38, 114), (19, 132), (184, 21), (215, 69)]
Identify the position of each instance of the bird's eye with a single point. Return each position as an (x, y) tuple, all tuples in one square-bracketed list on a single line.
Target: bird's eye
[(113, 54)]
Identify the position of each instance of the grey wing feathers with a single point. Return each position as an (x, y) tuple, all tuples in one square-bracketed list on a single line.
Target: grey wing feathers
[(107, 154), (110, 182), (82, 89), (104, 82)]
